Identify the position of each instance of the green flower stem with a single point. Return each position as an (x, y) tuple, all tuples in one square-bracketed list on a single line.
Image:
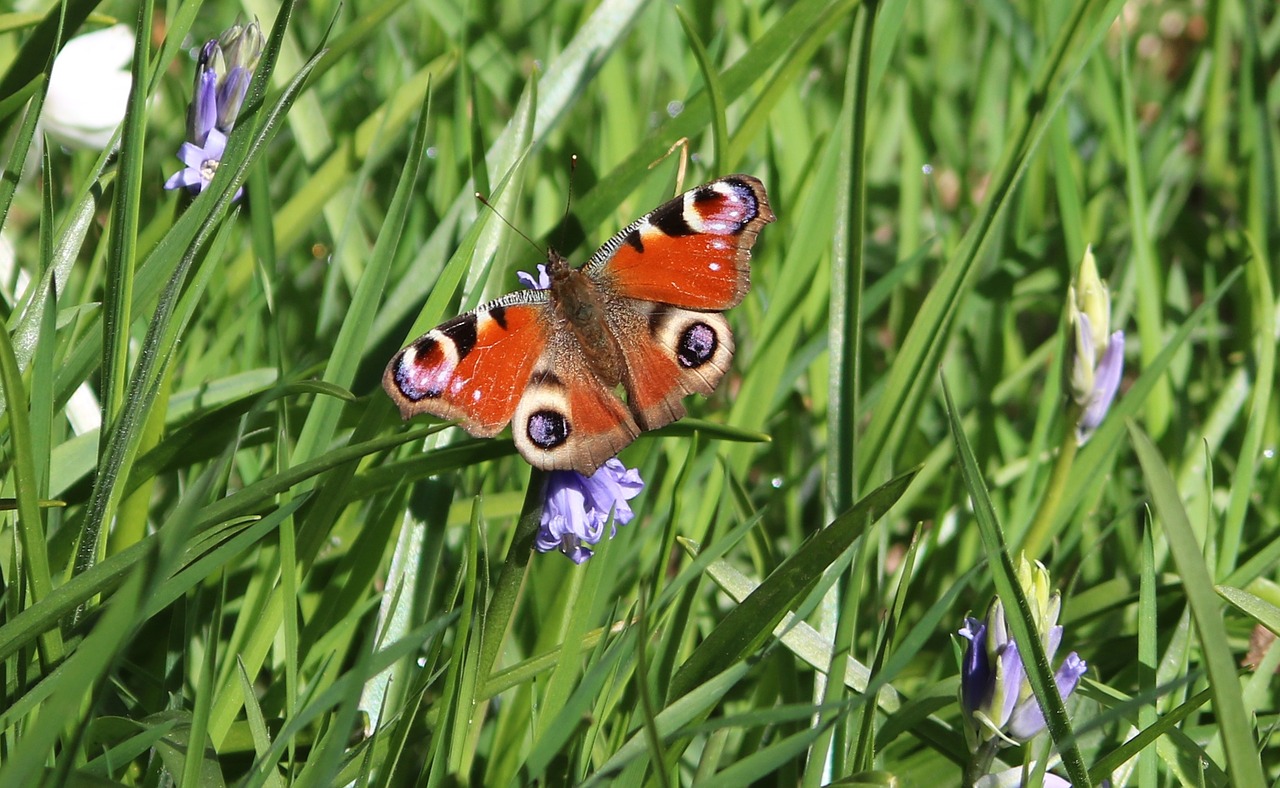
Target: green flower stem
[(979, 765), (506, 591), (1034, 540)]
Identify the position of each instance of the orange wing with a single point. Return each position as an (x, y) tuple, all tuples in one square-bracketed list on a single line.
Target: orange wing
[(474, 367), (693, 251), (669, 353), (567, 418)]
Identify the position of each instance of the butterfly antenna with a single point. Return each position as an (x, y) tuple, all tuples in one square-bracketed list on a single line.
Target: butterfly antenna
[(516, 230), (568, 200)]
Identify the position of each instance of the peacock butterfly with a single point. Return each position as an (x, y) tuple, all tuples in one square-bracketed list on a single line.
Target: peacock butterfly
[(643, 314)]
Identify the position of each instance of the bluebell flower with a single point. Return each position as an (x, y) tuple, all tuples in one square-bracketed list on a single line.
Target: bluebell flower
[(202, 163), (996, 697), (577, 508), (223, 72), (540, 282), (1095, 354)]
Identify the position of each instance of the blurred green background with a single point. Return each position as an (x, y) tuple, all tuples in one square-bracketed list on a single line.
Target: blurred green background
[(254, 574)]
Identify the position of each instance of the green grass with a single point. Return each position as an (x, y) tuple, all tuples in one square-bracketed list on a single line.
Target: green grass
[(254, 574)]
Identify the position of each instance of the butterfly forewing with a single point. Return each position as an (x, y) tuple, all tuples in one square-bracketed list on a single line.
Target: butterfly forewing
[(475, 366), (693, 251)]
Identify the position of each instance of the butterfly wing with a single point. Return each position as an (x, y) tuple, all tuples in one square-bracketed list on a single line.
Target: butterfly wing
[(567, 419), (693, 251), (474, 367), (668, 276), (670, 353), (663, 281)]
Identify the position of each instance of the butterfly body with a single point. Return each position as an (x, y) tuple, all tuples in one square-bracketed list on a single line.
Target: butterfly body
[(642, 316), (581, 307)]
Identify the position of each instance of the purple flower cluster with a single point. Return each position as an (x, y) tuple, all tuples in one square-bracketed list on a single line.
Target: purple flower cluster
[(578, 508), (223, 72), (996, 699), (993, 682)]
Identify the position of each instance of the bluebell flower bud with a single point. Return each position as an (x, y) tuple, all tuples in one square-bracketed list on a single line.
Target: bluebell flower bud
[(231, 59), (1095, 354)]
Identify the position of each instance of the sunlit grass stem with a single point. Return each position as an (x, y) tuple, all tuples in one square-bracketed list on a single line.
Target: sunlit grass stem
[(1039, 532)]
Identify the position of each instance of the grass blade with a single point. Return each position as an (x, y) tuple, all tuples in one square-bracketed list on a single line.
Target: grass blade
[(1243, 764)]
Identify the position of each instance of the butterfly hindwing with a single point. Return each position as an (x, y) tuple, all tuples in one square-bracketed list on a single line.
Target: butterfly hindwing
[(474, 367), (567, 419), (693, 251), (670, 353)]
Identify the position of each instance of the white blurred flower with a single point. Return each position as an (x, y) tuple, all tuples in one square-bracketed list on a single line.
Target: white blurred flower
[(8, 260), (89, 88), (83, 410), (1012, 778)]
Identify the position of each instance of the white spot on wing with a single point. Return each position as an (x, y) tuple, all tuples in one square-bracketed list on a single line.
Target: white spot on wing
[(692, 216)]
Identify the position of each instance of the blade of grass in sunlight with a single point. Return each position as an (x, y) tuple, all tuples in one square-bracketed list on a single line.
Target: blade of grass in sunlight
[(35, 571), (33, 96), (677, 714), (1236, 729), (317, 432), (1149, 288), (713, 91), (79, 676), (116, 313), (1148, 633), (844, 342), (848, 270), (753, 620), (1255, 607), (1263, 312)]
